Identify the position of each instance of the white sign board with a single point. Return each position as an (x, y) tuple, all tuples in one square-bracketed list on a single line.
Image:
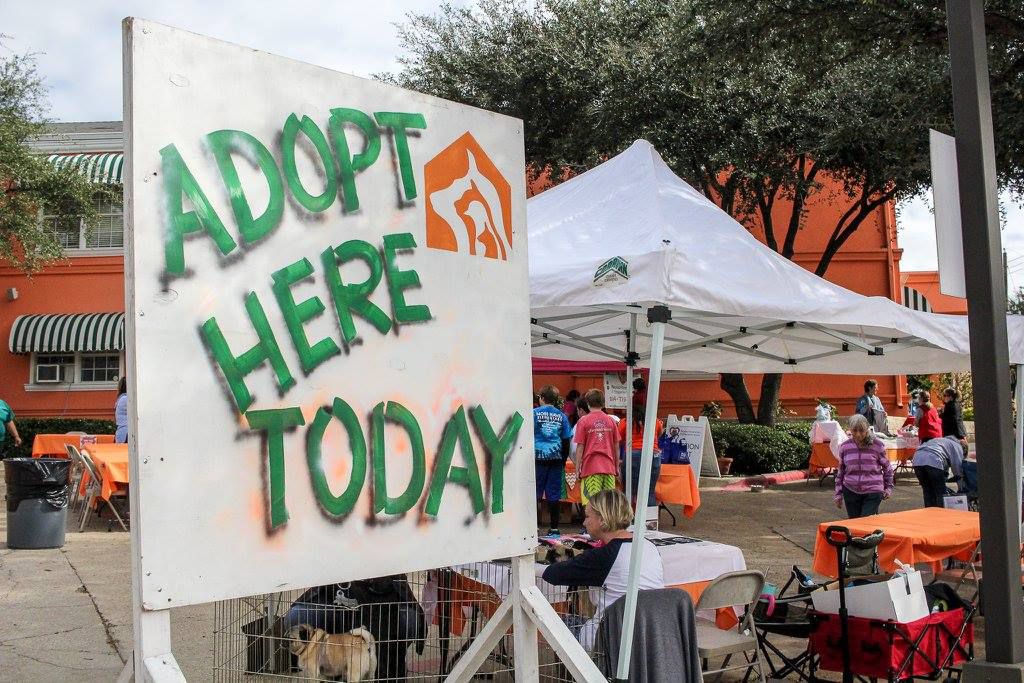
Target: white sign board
[(946, 200), (699, 444), (329, 344), (616, 393)]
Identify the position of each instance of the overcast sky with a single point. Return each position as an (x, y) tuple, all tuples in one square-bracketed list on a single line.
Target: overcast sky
[(79, 46)]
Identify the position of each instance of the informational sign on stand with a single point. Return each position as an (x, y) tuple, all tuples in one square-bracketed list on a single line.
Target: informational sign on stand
[(699, 444), (328, 325), (616, 393)]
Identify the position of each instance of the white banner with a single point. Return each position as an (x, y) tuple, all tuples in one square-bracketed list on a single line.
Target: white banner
[(699, 444), (946, 202), (616, 393), (328, 339)]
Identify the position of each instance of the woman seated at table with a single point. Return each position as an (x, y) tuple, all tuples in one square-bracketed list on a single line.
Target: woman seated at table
[(865, 475), (606, 568)]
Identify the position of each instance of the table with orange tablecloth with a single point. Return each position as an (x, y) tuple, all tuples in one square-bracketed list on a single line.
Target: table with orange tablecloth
[(912, 537), (111, 462), (899, 451), (822, 458), (52, 445), (676, 485)]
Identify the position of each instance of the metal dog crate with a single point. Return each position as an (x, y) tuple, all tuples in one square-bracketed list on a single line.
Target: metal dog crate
[(251, 641)]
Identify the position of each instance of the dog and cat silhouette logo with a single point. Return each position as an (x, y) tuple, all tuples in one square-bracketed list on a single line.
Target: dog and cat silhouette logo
[(468, 202)]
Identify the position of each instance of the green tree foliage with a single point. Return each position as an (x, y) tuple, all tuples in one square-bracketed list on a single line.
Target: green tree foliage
[(752, 103), (27, 181)]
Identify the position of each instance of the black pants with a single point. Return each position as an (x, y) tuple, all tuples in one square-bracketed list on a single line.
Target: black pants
[(861, 504), (933, 484)]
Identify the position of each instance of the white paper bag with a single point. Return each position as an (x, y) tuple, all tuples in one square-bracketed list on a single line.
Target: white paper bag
[(954, 502)]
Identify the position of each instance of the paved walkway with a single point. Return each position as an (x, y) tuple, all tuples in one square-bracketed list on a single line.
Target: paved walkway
[(67, 612)]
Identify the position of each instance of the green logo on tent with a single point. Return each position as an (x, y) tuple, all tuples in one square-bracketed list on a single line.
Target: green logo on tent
[(615, 269)]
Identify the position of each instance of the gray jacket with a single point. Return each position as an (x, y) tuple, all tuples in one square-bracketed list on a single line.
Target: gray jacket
[(664, 638)]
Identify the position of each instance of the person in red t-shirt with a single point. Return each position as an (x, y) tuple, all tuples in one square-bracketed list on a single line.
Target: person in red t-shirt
[(929, 426), (597, 448)]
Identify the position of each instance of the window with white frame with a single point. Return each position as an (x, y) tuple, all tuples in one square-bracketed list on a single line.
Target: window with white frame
[(99, 367), (107, 233), (80, 369)]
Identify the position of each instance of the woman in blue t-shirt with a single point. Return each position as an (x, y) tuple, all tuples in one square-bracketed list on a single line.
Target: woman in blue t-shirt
[(551, 433)]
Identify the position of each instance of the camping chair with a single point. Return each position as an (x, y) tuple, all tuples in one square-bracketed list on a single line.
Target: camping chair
[(76, 474), (786, 614), (95, 486), (729, 590)]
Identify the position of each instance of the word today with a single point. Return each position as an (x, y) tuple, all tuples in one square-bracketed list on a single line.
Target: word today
[(275, 423)]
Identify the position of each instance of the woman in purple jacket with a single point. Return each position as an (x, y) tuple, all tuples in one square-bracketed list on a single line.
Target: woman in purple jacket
[(865, 474)]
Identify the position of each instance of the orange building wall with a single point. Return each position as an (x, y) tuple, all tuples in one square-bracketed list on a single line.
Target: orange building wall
[(92, 284), (868, 263), (687, 397)]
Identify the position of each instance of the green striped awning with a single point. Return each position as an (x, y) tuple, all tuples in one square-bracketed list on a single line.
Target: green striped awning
[(67, 332), (99, 167)]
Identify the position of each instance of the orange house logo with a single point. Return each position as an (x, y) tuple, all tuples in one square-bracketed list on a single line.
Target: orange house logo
[(469, 202)]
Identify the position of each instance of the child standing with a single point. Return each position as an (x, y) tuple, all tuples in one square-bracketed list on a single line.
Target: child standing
[(597, 447), (551, 432)]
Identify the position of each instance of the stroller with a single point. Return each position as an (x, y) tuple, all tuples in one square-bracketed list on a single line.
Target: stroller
[(788, 613)]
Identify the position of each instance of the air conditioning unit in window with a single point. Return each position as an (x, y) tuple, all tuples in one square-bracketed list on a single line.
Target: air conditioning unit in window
[(48, 373)]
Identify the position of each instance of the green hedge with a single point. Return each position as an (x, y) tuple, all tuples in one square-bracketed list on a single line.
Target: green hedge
[(798, 429), (28, 427), (756, 449)]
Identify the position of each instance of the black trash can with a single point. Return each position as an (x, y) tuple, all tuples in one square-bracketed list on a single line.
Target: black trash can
[(37, 501)]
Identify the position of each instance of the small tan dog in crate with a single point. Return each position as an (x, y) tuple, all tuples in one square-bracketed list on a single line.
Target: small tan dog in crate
[(351, 655)]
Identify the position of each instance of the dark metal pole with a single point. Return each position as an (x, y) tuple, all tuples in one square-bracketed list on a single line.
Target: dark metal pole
[(975, 151)]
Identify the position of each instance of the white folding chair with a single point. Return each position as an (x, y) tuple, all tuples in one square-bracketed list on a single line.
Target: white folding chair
[(729, 590), (94, 490)]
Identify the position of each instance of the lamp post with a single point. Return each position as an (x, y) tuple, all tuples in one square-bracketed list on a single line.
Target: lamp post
[(986, 292)]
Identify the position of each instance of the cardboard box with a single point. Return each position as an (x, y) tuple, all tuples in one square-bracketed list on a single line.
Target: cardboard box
[(901, 599)]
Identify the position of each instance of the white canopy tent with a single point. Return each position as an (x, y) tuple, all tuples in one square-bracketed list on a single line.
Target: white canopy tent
[(629, 234), (628, 262)]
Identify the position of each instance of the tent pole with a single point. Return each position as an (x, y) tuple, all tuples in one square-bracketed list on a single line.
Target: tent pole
[(627, 448), (658, 316), (998, 484), (1018, 441)]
